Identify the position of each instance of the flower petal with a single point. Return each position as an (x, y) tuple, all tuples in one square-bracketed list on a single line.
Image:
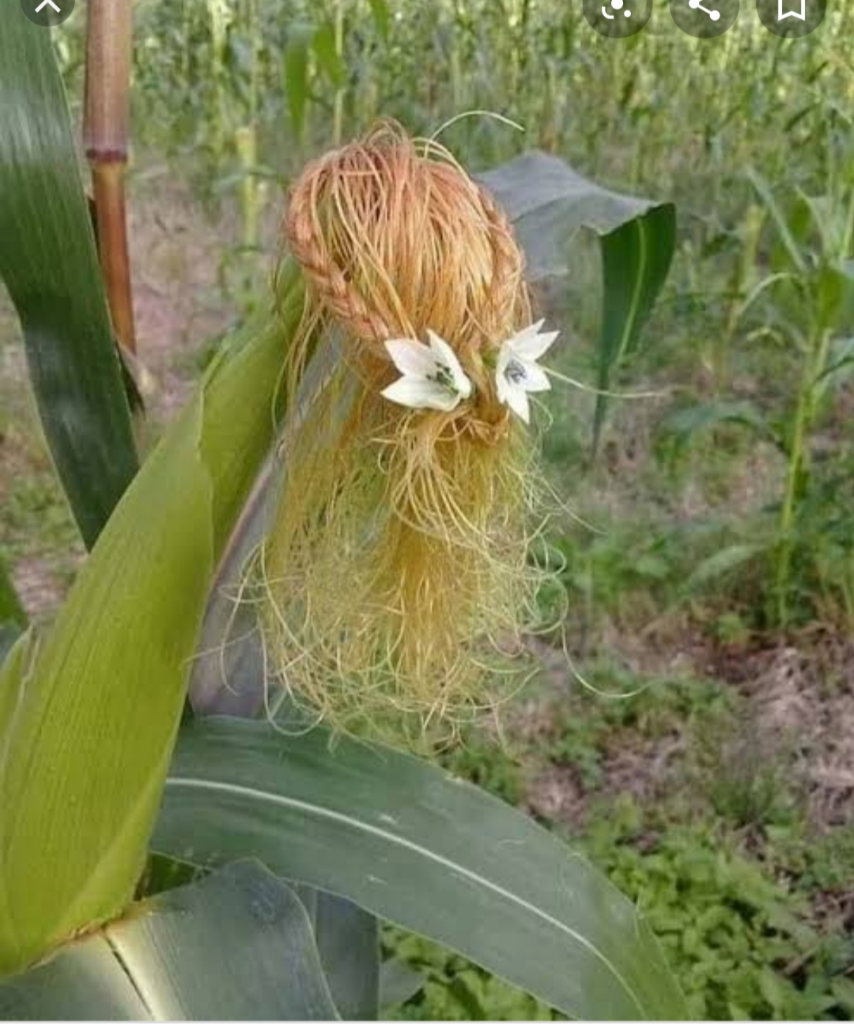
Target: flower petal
[(502, 385), (446, 357), (412, 358), (505, 354), (530, 329), (417, 393), (517, 399), (535, 377), (530, 345)]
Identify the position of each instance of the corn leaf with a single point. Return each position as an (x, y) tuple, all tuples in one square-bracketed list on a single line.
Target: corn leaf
[(236, 946), (414, 845), (49, 264), (348, 944), (382, 17), (326, 52), (228, 671), (548, 201), (85, 753), (295, 74), (227, 676)]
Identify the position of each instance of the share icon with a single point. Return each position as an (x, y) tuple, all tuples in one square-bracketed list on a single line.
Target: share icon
[(706, 19), (697, 5)]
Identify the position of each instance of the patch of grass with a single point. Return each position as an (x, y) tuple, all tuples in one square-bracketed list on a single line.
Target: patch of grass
[(489, 765), (747, 898), (741, 946)]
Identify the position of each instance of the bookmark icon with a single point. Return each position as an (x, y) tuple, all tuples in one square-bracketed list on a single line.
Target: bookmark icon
[(790, 19), (800, 13)]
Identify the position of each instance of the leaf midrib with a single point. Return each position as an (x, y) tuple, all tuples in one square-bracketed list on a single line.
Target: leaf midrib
[(356, 823)]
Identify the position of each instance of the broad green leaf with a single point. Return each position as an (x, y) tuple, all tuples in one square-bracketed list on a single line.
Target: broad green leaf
[(83, 761), (49, 263), (548, 201), (423, 849), (236, 946), (635, 261)]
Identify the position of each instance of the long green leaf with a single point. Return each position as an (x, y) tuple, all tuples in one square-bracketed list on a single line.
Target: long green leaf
[(50, 266), (85, 754), (766, 194), (236, 946), (382, 17), (421, 848), (295, 74), (347, 939), (548, 201), (635, 260)]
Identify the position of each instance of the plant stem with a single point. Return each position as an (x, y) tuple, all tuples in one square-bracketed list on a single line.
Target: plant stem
[(338, 105), (105, 138), (804, 415), (217, 12), (246, 138)]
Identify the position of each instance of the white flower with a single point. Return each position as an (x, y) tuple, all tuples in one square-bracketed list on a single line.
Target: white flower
[(432, 377), (517, 372)]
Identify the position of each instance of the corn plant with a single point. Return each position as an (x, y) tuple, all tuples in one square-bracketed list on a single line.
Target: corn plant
[(291, 846), (810, 304), (800, 302)]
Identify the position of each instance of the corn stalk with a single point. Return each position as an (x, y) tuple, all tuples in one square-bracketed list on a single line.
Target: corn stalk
[(105, 138), (338, 102), (246, 136)]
